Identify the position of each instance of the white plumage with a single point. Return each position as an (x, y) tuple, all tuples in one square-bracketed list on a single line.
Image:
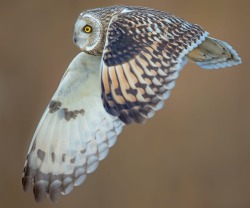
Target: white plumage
[(63, 151), (135, 56)]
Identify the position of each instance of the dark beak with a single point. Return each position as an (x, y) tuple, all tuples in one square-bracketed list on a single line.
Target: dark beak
[(75, 39)]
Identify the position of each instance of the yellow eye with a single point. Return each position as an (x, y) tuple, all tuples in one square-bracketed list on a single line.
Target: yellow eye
[(87, 29)]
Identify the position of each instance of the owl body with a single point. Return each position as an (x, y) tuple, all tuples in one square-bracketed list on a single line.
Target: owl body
[(131, 58)]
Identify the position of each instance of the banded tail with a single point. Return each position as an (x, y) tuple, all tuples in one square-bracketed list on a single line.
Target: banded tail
[(214, 54)]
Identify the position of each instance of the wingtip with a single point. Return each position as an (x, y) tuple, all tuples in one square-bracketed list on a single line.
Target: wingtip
[(40, 190), (26, 183), (221, 55)]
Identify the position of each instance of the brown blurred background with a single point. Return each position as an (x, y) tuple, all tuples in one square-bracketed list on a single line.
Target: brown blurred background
[(193, 154)]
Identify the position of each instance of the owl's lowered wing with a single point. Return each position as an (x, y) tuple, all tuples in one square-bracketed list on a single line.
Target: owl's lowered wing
[(74, 134), (143, 54)]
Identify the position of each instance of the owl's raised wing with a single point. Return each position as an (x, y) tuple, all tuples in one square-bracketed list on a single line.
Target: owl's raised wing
[(74, 134), (143, 54)]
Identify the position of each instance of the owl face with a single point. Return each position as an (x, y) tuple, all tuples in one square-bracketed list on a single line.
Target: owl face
[(87, 34)]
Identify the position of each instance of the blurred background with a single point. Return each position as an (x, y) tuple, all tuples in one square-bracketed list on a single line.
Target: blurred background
[(194, 153)]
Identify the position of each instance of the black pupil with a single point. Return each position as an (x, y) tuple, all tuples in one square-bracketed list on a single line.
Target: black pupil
[(87, 28)]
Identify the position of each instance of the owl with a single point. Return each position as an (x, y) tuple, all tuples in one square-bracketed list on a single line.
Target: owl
[(130, 58)]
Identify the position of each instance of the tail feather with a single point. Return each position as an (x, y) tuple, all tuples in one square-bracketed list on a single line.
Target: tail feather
[(214, 54)]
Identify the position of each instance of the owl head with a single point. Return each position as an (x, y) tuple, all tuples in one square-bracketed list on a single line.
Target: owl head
[(90, 29)]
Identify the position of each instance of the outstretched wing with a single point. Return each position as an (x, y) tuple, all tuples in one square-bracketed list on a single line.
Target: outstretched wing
[(74, 134), (144, 52)]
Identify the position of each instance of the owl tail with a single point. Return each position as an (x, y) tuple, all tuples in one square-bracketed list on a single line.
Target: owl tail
[(214, 54)]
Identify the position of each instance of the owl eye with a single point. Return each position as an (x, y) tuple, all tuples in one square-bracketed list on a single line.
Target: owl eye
[(87, 29)]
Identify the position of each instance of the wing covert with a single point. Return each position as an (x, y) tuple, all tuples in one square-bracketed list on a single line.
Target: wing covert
[(143, 54)]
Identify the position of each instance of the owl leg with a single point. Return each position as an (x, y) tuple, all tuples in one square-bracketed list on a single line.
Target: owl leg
[(213, 54)]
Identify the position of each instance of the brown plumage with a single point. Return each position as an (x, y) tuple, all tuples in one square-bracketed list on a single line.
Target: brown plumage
[(134, 55)]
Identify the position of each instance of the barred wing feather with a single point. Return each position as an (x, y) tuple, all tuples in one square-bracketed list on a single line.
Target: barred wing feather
[(143, 55), (74, 134)]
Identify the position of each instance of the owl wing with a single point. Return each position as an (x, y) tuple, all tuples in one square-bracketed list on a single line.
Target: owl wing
[(143, 54), (74, 134)]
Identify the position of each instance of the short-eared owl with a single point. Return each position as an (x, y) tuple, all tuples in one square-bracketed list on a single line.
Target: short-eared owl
[(131, 58)]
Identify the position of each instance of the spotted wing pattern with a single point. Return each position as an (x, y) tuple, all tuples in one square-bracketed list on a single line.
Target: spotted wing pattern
[(143, 55), (74, 134)]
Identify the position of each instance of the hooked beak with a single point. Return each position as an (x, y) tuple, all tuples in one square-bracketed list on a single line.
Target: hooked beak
[(75, 39)]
